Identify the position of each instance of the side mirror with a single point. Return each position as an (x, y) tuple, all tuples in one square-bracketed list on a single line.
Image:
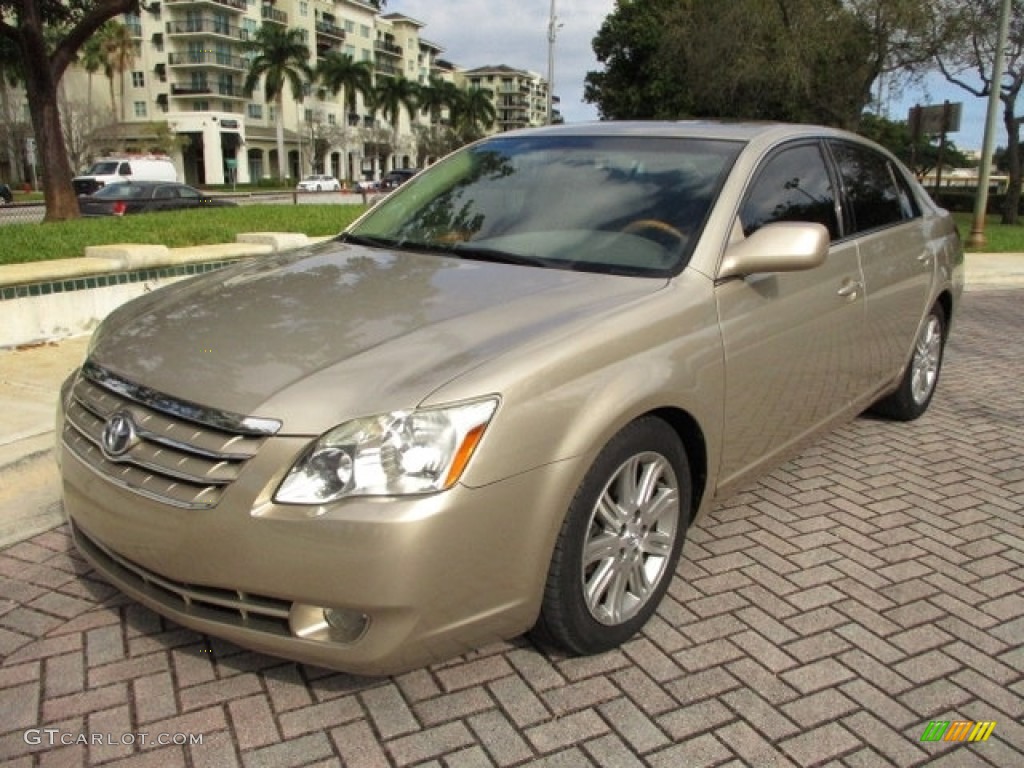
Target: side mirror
[(784, 246)]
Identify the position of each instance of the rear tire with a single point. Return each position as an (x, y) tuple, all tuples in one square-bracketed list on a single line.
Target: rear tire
[(620, 542), (914, 394)]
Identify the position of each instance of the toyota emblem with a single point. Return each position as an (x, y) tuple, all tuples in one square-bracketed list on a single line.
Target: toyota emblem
[(119, 434)]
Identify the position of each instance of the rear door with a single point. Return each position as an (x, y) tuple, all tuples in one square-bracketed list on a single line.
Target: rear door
[(794, 342), (895, 255)]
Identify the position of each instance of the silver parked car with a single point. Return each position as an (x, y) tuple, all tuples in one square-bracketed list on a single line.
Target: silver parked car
[(498, 400)]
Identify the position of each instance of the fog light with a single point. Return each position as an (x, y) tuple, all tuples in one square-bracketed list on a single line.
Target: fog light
[(346, 626)]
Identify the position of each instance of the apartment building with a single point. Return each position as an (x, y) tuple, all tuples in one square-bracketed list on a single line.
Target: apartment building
[(519, 96), (190, 64)]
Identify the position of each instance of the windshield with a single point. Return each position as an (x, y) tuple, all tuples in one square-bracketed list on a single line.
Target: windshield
[(103, 168), (624, 205)]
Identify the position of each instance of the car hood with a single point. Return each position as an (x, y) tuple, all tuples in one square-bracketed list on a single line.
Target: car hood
[(335, 331)]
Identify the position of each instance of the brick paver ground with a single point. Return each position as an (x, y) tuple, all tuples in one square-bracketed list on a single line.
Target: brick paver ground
[(823, 617)]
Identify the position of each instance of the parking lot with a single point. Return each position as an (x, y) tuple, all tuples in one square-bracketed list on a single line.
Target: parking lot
[(825, 616)]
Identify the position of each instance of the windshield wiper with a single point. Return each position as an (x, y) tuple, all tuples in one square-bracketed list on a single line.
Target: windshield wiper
[(496, 256), (371, 242)]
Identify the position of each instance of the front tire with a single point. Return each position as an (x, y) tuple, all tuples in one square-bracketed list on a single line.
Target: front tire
[(620, 541), (921, 378)]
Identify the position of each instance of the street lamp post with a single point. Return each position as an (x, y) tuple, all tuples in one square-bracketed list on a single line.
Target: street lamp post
[(976, 238), (552, 33)]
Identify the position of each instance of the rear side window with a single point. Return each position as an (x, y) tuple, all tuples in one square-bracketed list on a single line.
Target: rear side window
[(792, 185), (876, 191)]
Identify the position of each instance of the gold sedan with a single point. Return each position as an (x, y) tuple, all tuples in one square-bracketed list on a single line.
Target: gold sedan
[(498, 400)]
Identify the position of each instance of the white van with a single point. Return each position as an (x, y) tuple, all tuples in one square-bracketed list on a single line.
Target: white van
[(109, 170)]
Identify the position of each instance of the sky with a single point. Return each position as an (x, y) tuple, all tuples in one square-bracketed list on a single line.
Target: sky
[(475, 33)]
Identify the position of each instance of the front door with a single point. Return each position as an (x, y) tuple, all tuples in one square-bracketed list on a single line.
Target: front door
[(793, 341)]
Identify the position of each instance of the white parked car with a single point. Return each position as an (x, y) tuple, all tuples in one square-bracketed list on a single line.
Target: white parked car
[(319, 183)]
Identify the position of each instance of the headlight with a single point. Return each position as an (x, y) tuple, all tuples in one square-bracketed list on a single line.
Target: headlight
[(392, 454)]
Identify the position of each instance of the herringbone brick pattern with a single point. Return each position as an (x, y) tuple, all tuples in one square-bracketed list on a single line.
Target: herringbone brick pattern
[(822, 617)]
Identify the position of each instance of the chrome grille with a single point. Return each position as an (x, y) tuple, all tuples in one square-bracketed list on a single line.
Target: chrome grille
[(181, 453), (241, 609)]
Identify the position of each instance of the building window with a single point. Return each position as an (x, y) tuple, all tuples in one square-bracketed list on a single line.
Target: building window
[(140, 109), (303, 8), (272, 113), (364, 31), (350, 27), (331, 119), (200, 106), (256, 111), (307, 115), (138, 79)]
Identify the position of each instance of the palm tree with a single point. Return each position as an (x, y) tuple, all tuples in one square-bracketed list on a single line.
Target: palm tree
[(436, 96), (118, 50), (473, 113), (92, 60), (281, 56), (340, 73), (390, 95)]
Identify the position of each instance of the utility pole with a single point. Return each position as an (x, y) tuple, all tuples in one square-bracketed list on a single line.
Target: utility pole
[(976, 239), (552, 33)]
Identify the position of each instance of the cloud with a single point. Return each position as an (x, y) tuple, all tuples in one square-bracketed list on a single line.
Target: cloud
[(475, 33)]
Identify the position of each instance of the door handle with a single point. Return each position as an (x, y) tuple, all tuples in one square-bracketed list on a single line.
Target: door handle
[(850, 288)]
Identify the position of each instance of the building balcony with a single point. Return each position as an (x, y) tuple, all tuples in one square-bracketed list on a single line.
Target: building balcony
[(389, 49), (386, 68), (207, 59), (207, 26), (239, 6), (330, 29), (208, 89), (273, 16)]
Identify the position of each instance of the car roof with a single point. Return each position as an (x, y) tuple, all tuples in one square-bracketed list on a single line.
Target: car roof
[(743, 131)]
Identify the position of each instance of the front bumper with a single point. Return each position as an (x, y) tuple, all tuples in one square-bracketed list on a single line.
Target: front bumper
[(434, 575)]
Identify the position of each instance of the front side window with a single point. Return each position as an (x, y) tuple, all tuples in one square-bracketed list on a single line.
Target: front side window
[(874, 196), (615, 204), (792, 185)]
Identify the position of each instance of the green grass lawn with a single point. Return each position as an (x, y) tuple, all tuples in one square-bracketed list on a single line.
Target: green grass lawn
[(65, 240), (1000, 238), (68, 239)]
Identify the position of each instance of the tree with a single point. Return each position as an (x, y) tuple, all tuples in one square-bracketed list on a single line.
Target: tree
[(472, 113), (632, 84), (117, 51), (795, 60), (70, 23), (11, 75), (436, 96), (340, 73), (280, 56), (390, 95), (964, 52), (921, 157), (92, 61)]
